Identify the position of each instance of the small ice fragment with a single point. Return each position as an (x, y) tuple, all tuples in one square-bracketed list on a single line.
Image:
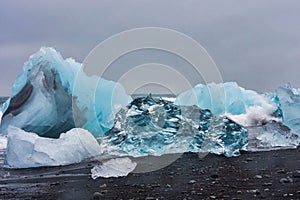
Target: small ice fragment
[(113, 168)]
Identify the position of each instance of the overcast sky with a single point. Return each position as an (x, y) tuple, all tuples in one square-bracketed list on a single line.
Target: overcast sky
[(255, 43)]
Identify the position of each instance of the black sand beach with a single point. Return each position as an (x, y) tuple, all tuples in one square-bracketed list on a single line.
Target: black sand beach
[(260, 175)]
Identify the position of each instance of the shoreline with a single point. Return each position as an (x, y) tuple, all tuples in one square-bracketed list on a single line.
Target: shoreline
[(271, 174)]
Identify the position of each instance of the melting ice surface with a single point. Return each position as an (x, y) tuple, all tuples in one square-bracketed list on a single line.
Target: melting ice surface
[(290, 104), (151, 126), (246, 107), (113, 168), (53, 96), (271, 136), (25, 149)]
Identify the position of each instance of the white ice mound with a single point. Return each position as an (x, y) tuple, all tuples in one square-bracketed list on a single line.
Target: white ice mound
[(113, 168), (290, 104), (247, 107), (53, 95), (25, 149)]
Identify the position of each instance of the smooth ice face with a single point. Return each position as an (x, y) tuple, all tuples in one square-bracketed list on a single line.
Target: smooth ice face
[(290, 104), (151, 126), (25, 149), (53, 95), (248, 107)]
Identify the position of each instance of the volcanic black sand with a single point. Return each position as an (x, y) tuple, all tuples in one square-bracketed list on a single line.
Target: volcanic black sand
[(260, 175)]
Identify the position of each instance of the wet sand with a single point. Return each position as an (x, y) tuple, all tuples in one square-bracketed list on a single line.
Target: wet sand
[(259, 175)]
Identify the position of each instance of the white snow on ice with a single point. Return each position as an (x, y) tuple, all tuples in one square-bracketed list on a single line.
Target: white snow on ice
[(171, 99), (255, 115)]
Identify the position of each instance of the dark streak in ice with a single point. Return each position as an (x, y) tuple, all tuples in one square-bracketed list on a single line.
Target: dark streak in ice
[(19, 100)]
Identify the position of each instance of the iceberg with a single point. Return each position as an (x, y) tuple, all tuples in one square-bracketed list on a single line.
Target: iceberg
[(53, 95), (289, 99), (25, 149), (273, 135), (153, 126), (246, 106), (116, 167), (58, 115)]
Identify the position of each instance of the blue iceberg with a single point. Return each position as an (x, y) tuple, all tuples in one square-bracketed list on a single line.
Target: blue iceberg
[(55, 107), (53, 95), (220, 98), (246, 107), (289, 99), (151, 126)]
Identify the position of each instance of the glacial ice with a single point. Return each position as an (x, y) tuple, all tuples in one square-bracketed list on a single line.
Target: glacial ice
[(116, 167), (247, 107), (3, 142), (25, 149), (150, 126), (290, 104), (272, 135), (53, 95)]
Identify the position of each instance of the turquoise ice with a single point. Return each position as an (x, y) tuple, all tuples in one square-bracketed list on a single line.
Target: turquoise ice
[(222, 98), (151, 126), (289, 99), (53, 95)]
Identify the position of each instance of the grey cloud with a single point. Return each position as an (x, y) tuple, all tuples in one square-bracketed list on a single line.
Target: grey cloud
[(255, 43)]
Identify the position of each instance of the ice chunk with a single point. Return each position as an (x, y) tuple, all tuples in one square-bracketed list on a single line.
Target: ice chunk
[(150, 126), (290, 104), (25, 149), (231, 99), (113, 168), (53, 95), (273, 135), (3, 142)]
